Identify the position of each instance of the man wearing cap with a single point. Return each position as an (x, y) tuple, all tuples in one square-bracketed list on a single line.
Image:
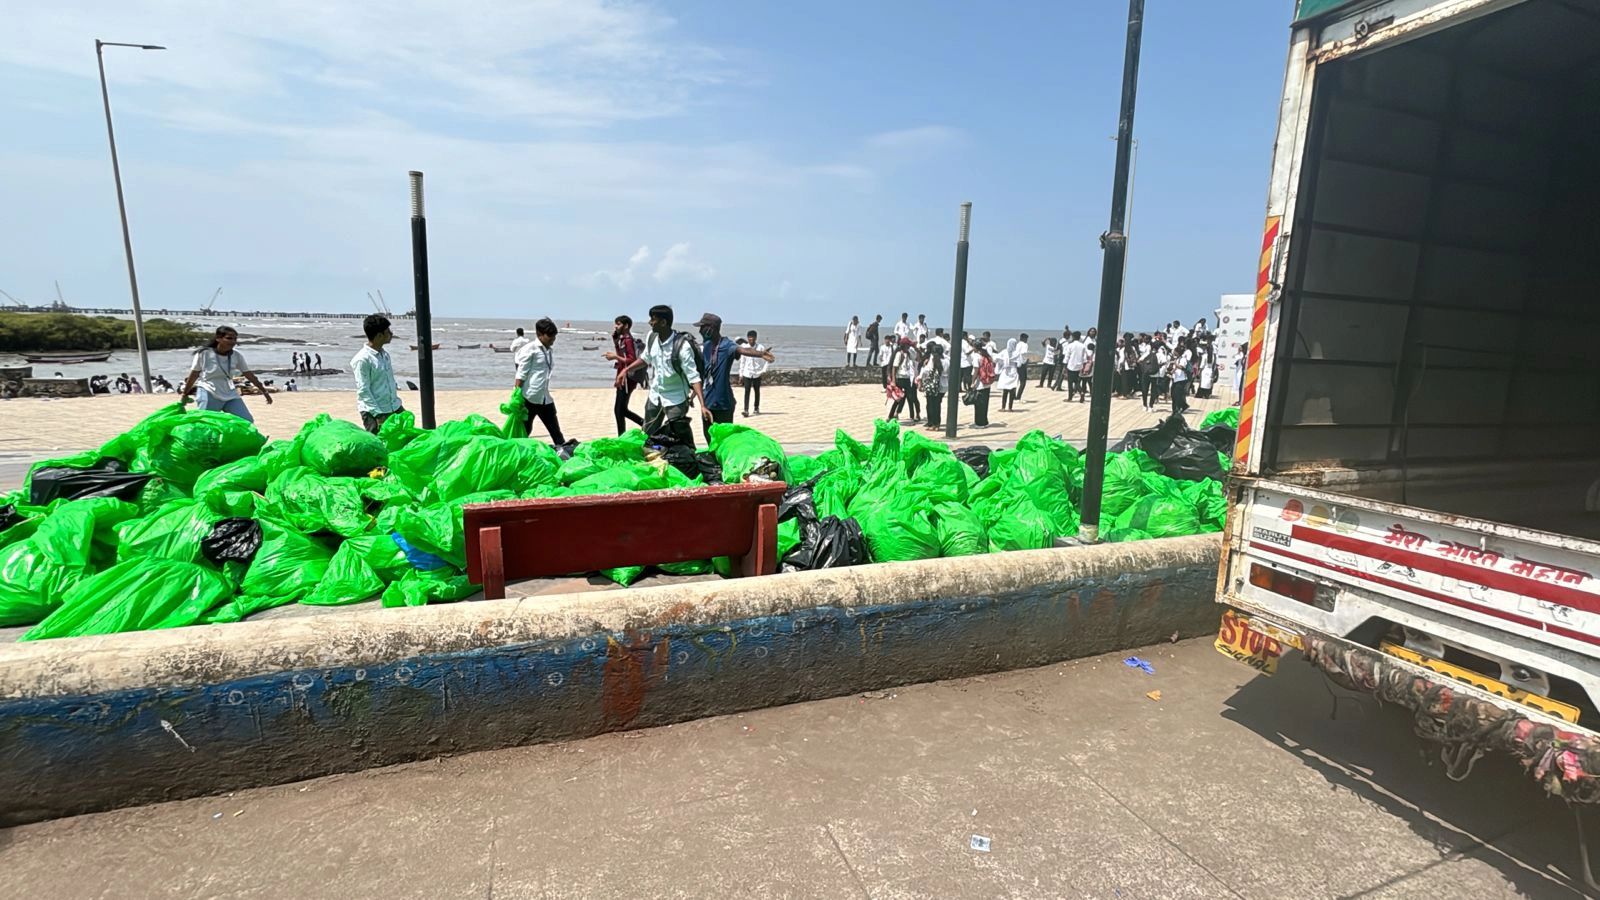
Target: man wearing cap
[(720, 353)]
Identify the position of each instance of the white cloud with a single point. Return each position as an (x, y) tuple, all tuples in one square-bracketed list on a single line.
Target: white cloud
[(784, 290), (677, 264), (621, 279), (927, 136)]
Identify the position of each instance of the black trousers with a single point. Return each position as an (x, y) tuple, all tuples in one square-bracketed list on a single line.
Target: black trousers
[(546, 413), (910, 399), (934, 402), (748, 384), (1180, 395), (1075, 383), (874, 350), (980, 407), (669, 424), (718, 417), (623, 413), (1022, 378)]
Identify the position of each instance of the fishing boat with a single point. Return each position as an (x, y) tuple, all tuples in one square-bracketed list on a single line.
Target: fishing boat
[(499, 349), (66, 359), (433, 347), (468, 346)]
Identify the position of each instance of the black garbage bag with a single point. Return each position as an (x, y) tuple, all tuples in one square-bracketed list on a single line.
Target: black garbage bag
[(977, 457), (828, 544), (106, 478), (681, 458), (1184, 454), (798, 501), (9, 516), (235, 539), (707, 467), (1219, 436), (565, 450)]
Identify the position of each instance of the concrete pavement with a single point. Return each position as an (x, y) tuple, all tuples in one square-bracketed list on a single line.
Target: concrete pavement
[(1227, 786)]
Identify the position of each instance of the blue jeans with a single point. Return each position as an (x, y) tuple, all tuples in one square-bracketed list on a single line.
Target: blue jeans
[(204, 400)]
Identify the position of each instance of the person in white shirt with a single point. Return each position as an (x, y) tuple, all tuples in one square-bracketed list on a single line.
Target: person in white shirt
[(674, 377), (1006, 376), (919, 331), (214, 368), (852, 341), (902, 328), (990, 346), (1074, 356), (535, 362), (751, 369), (1179, 373), (1047, 369), (966, 362), (517, 343), (376, 396), (1022, 365), (907, 365)]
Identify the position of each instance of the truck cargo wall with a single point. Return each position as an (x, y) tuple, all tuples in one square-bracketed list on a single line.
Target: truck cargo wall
[(100, 722)]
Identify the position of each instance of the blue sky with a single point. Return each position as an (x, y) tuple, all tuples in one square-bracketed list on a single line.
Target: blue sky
[(783, 163)]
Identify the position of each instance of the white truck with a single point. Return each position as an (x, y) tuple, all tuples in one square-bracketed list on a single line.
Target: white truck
[(1414, 494)]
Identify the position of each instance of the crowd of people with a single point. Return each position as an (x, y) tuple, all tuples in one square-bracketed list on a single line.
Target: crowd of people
[(1168, 362)]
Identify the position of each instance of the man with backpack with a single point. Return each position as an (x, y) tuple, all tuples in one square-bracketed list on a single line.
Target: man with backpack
[(674, 377), (719, 355), (627, 349)]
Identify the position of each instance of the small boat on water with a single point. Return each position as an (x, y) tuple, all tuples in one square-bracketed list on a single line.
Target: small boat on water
[(499, 349), (590, 347), (66, 359), (434, 347), (468, 346)]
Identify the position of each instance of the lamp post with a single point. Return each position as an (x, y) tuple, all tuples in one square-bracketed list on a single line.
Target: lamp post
[(122, 208), (1127, 231)]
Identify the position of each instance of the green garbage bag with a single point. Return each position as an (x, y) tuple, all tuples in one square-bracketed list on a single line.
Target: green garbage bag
[(624, 575), (288, 566), (312, 503), (1167, 514), (627, 447), (57, 551), (360, 569), (383, 491), (1121, 535), (833, 493), (248, 474), (399, 430), (623, 478), (173, 532), (788, 536), (420, 588), (438, 528), (134, 445), (961, 531), (198, 441), (1228, 416), (516, 413), (743, 451), (897, 526), (1036, 459), (1014, 523), (1211, 504), (449, 464), (336, 447), (689, 567), (1124, 483), (136, 595), (916, 451), (945, 474), (803, 468)]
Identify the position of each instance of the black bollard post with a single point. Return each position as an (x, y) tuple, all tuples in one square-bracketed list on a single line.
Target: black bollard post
[(1115, 243), (958, 326), (419, 271)]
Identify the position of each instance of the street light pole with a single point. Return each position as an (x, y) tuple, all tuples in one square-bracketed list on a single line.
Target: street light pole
[(122, 207)]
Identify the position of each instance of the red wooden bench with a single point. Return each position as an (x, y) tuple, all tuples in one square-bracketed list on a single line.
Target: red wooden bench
[(562, 535)]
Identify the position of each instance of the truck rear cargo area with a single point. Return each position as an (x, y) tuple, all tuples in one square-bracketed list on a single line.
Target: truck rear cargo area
[(1437, 341)]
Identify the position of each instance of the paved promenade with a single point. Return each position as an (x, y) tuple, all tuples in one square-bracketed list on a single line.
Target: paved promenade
[(1227, 786)]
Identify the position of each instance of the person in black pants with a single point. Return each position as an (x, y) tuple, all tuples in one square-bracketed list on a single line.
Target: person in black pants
[(534, 365), (625, 351), (874, 348), (931, 381), (751, 368)]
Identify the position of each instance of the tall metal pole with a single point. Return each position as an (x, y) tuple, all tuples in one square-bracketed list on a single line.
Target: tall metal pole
[(1115, 242), (419, 271), (1127, 230), (958, 327), (122, 208)]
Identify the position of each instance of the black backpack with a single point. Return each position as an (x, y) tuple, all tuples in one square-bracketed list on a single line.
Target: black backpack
[(676, 344), (641, 376), (1149, 365)]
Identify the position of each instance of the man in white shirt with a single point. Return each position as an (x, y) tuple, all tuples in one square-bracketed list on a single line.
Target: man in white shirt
[(919, 331), (376, 396), (535, 363), (902, 329), (674, 365), (1075, 354), (517, 343), (751, 368), (1022, 364), (966, 362)]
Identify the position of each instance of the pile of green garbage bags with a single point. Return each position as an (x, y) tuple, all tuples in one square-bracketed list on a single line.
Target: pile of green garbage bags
[(205, 521)]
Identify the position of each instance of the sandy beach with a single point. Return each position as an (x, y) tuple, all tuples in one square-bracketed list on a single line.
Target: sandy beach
[(799, 417)]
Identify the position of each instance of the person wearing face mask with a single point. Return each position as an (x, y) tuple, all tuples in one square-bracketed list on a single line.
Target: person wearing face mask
[(214, 368), (720, 353)]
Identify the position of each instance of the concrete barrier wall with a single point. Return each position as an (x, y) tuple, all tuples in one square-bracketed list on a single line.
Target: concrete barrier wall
[(100, 722)]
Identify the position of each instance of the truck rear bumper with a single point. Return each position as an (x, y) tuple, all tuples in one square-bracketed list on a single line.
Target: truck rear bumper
[(1464, 721)]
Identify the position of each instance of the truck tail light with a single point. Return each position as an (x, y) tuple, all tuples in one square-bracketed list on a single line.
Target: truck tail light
[(1302, 590)]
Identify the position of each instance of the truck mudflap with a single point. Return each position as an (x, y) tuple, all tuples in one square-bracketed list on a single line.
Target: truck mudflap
[(1465, 722)]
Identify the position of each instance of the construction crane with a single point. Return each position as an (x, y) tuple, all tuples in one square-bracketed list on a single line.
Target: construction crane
[(211, 304), (14, 301)]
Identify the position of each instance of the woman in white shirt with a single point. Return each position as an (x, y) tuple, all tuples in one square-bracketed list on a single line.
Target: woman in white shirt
[(852, 340), (214, 367), (1007, 376)]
